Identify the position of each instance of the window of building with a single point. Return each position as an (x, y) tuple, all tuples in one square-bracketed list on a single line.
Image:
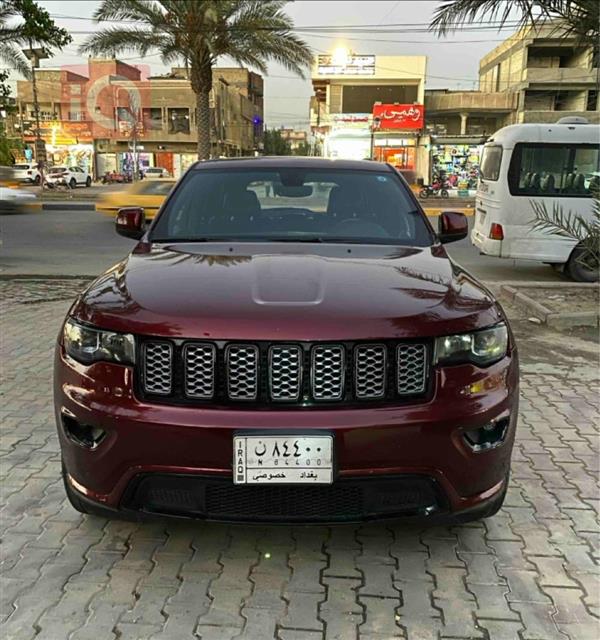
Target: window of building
[(76, 115), (152, 118), (592, 100), (361, 98), (554, 170), (179, 120)]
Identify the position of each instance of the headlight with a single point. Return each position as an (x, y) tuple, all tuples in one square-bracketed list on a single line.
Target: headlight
[(87, 345), (480, 347)]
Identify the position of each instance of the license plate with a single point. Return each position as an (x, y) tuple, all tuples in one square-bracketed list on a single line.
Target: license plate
[(283, 459)]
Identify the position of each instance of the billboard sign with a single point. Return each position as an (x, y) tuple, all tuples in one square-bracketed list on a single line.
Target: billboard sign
[(399, 116), (352, 66)]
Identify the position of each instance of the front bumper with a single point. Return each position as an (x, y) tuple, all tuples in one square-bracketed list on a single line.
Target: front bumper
[(404, 447)]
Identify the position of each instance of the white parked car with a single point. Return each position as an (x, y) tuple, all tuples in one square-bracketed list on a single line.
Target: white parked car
[(27, 172), (156, 172), (68, 176)]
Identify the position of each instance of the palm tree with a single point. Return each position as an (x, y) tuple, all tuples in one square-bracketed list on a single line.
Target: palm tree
[(10, 36), (575, 18), (199, 32)]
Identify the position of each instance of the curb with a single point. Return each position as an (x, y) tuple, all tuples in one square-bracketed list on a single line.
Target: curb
[(547, 316), (65, 206)]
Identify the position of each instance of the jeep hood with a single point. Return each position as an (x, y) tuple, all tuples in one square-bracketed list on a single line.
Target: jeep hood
[(274, 291)]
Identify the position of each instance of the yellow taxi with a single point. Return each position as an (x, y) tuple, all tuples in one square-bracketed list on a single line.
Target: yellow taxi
[(148, 194)]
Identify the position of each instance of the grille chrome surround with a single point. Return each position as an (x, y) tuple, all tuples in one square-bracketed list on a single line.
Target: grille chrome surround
[(241, 362), (303, 374), (327, 373), (411, 368), (158, 367), (199, 362), (285, 372), (370, 371)]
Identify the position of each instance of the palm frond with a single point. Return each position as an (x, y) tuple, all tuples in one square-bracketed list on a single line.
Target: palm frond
[(118, 39), (586, 232)]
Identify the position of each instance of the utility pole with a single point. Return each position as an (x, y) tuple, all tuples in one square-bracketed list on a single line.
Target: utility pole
[(34, 55)]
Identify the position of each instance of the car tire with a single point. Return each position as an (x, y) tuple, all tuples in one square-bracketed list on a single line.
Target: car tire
[(37, 180), (72, 183), (88, 182), (577, 271)]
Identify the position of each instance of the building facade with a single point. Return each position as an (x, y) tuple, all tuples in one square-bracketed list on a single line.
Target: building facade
[(100, 117), (367, 106), (297, 138), (551, 74)]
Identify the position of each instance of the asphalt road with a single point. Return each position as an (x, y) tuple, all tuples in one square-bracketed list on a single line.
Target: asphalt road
[(73, 243)]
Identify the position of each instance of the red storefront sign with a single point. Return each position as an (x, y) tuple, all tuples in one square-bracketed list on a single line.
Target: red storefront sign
[(399, 116)]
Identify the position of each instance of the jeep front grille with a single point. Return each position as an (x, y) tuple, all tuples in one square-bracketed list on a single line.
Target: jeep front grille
[(298, 373)]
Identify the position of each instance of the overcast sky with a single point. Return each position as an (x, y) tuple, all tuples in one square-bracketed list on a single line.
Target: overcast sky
[(452, 62)]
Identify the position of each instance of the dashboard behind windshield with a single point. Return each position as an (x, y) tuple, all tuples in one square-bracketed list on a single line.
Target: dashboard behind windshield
[(292, 204)]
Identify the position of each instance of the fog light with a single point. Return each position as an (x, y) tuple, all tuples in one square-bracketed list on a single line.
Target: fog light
[(82, 434), (488, 436)]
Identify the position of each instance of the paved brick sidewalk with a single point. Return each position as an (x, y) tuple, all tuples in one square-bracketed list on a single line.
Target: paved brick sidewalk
[(529, 573)]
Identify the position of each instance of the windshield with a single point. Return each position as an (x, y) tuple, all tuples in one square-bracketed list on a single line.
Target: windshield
[(292, 204), (490, 162)]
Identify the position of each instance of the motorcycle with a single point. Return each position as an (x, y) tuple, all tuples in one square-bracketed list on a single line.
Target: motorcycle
[(438, 187)]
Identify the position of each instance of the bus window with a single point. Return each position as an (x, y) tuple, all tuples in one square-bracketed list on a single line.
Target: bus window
[(490, 163), (553, 170)]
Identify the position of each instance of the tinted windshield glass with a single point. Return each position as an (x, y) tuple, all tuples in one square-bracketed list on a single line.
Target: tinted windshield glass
[(490, 163), (290, 204)]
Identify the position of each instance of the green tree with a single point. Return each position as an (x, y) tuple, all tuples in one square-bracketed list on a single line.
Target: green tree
[(275, 144), (10, 53), (578, 18), (6, 109), (199, 32), (303, 149), (36, 31)]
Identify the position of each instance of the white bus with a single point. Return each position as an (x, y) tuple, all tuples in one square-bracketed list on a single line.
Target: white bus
[(553, 164)]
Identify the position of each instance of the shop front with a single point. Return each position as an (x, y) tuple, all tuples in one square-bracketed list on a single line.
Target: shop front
[(349, 136), (457, 162), (67, 143), (396, 130)]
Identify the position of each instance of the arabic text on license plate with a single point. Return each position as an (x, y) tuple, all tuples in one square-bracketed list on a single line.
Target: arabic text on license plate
[(283, 459)]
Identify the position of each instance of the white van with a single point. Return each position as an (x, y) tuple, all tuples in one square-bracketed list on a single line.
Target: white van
[(553, 164)]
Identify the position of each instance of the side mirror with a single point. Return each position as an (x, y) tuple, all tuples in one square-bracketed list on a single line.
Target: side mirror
[(131, 222), (452, 226)]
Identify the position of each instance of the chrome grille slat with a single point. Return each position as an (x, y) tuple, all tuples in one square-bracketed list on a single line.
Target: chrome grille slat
[(327, 372), (242, 371), (285, 372), (411, 375), (158, 367), (370, 371), (199, 369)]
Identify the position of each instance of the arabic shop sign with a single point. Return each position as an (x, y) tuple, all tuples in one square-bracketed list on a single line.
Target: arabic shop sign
[(353, 66), (399, 116)]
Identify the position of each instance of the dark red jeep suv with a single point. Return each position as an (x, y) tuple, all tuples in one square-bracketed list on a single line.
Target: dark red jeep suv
[(288, 342)]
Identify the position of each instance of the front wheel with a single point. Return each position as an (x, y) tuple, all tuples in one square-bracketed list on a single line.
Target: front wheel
[(72, 183), (424, 194), (88, 182), (444, 193), (37, 180), (582, 267)]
